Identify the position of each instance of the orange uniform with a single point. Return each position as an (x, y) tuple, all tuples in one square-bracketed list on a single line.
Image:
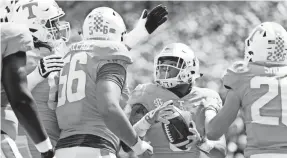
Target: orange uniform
[(263, 94), (80, 122), (152, 95)]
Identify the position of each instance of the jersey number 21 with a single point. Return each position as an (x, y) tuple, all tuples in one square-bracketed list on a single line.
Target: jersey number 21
[(277, 87)]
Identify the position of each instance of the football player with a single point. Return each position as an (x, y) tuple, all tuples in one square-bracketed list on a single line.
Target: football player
[(176, 69), (257, 87), (16, 39), (91, 83), (51, 34)]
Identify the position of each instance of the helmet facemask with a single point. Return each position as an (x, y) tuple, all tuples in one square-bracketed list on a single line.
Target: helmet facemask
[(171, 71), (58, 30)]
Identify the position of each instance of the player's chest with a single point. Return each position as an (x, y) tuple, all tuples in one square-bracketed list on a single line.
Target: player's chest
[(189, 103)]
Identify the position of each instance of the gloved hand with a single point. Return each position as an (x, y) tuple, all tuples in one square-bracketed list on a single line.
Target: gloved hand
[(155, 18), (50, 64), (159, 114), (194, 137), (147, 24), (152, 117)]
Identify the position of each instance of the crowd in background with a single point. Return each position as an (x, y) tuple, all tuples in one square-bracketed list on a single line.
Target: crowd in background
[(214, 30)]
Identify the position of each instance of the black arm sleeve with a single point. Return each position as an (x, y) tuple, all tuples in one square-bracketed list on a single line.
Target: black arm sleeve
[(112, 72), (15, 84)]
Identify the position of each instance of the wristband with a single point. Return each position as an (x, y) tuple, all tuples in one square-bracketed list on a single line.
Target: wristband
[(141, 127), (44, 146), (137, 148)]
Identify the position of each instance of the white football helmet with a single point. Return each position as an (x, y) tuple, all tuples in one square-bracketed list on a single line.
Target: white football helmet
[(267, 43), (188, 71), (104, 23), (42, 17)]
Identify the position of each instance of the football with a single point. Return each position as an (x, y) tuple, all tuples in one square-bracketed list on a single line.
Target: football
[(178, 129)]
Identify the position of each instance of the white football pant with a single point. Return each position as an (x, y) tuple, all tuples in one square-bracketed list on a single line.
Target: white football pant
[(83, 152)]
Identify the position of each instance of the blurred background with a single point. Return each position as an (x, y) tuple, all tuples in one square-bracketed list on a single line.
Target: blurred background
[(214, 30)]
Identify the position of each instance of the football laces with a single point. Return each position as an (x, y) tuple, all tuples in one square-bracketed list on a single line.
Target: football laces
[(168, 133)]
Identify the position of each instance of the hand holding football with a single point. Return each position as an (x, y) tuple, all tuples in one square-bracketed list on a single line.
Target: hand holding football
[(177, 131)]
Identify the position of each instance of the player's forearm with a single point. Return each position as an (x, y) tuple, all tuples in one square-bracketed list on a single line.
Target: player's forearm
[(26, 111), (214, 132), (118, 123), (211, 131), (34, 78), (225, 117), (15, 84), (219, 146)]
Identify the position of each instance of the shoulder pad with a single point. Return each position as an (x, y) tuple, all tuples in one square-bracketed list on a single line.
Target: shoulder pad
[(103, 50), (231, 77), (15, 38), (117, 51)]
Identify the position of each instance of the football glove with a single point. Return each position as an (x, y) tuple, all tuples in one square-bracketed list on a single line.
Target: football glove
[(158, 114), (147, 24), (194, 137), (50, 64), (48, 154), (155, 18), (151, 118)]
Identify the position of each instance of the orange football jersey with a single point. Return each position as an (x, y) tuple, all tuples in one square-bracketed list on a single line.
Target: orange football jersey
[(151, 95), (77, 104), (262, 89)]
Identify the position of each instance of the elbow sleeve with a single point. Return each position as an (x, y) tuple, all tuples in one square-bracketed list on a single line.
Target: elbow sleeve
[(112, 72)]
